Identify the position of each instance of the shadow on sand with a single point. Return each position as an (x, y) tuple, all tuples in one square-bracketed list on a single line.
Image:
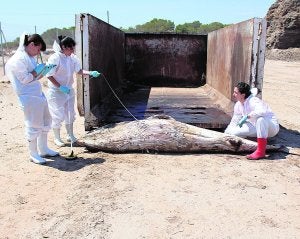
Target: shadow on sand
[(286, 137), (62, 164)]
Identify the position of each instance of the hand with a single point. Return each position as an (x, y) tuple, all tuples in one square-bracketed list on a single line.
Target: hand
[(242, 121), (64, 89), (94, 74), (38, 69), (47, 68)]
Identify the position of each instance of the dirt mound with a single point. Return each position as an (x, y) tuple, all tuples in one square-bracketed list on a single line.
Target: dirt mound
[(291, 54), (283, 25)]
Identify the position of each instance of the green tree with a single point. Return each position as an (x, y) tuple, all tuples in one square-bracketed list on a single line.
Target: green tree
[(50, 35), (154, 26), (198, 28), (193, 27), (213, 26), (161, 25)]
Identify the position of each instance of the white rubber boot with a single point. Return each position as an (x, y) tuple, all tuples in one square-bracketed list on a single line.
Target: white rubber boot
[(43, 146), (57, 139), (71, 137), (34, 156)]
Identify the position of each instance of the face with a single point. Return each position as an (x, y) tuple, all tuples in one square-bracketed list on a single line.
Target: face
[(68, 50), (32, 49), (237, 95)]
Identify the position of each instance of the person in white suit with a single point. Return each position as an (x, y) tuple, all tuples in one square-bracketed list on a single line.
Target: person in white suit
[(61, 94), (24, 73), (252, 117)]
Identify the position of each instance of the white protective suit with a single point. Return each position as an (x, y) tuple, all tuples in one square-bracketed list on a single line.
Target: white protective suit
[(61, 105), (29, 91), (261, 123)]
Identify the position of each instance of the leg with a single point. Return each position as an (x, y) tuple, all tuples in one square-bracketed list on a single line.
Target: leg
[(33, 124), (56, 102), (262, 134), (34, 156), (247, 130), (31, 136), (57, 139), (260, 152), (273, 128), (43, 137), (43, 146), (70, 118), (71, 137)]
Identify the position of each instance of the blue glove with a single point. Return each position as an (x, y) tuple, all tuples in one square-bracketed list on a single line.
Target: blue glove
[(95, 74), (242, 121), (64, 89), (38, 69), (47, 68)]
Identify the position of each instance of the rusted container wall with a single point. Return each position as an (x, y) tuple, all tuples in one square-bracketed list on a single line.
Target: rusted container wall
[(139, 67), (166, 59), (103, 50), (229, 55), (106, 55)]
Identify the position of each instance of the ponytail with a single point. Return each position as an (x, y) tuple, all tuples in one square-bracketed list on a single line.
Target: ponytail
[(66, 41)]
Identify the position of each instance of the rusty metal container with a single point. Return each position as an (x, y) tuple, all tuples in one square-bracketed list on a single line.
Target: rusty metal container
[(189, 77)]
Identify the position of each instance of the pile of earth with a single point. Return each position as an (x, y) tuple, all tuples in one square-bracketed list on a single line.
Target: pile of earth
[(283, 31), (291, 54)]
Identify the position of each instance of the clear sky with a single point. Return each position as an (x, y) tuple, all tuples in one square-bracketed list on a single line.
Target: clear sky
[(17, 16)]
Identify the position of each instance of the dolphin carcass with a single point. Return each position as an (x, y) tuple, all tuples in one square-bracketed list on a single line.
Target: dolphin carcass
[(162, 133)]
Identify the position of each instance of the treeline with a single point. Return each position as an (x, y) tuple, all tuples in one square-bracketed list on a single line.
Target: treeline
[(49, 36), (161, 25), (153, 26)]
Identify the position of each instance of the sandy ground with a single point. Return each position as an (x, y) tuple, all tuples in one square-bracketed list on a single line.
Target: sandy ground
[(103, 195)]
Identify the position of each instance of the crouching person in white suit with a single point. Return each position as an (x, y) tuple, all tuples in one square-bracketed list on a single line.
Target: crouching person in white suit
[(24, 74), (252, 118)]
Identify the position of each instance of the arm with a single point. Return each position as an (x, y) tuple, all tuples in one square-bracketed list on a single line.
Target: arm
[(63, 89), (53, 61), (258, 108), (20, 70), (83, 72), (35, 74), (237, 114), (90, 73), (54, 82)]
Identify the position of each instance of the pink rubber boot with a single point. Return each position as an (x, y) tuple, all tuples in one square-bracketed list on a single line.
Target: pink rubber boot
[(260, 152)]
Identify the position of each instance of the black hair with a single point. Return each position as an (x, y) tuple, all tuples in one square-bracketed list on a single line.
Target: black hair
[(36, 39), (244, 88), (66, 41)]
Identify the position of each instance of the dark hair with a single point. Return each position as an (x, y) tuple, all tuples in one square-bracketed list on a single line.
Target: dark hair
[(36, 39), (66, 41), (244, 88)]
